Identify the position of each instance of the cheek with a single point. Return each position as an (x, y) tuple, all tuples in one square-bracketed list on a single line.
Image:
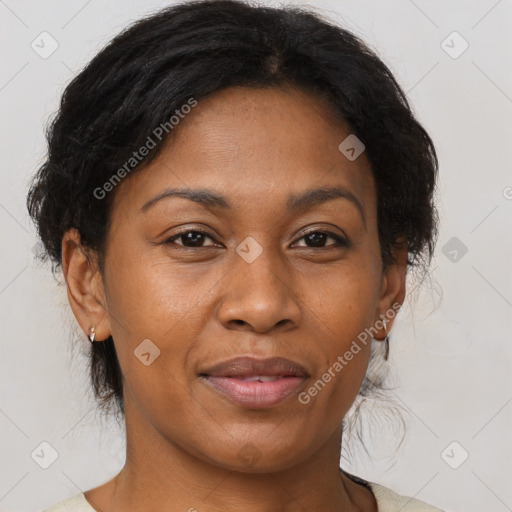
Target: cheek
[(151, 297), (345, 298), (344, 308), (332, 391), (155, 319), (159, 309), (134, 307)]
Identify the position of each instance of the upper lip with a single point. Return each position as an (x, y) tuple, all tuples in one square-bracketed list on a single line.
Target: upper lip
[(252, 367)]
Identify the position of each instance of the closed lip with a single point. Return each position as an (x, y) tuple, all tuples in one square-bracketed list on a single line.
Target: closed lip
[(246, 366)]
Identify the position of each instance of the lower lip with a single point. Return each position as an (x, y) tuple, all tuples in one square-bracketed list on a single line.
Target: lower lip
[(255, 394)]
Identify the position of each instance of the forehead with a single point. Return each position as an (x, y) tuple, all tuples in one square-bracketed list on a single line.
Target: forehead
[(256, 146)]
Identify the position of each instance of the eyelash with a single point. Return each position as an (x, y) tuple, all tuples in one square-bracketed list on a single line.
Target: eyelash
[(341, 242)]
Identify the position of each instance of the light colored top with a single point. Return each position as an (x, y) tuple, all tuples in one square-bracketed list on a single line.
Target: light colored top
[(387, 501)]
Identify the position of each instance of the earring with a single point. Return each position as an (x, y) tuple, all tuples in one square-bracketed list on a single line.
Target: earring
[(92, 333), (386, 353), (386, 339)]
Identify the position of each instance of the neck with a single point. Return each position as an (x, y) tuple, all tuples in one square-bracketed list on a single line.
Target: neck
[(160, 474)]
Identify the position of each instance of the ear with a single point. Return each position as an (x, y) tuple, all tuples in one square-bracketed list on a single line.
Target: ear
[(392, 290), (84, 284)]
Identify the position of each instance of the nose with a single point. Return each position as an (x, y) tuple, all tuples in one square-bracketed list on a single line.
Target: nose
[(259, 296)]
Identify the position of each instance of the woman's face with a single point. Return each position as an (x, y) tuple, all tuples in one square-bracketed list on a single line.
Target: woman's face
[(259, 283)]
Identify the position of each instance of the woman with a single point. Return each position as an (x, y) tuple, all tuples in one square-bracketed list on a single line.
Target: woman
[(235, 195)]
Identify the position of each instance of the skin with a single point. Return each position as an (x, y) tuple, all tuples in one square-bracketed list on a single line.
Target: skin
[(201, 303)]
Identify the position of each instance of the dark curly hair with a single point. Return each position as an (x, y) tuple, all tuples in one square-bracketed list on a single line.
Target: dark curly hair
[(194, 49)]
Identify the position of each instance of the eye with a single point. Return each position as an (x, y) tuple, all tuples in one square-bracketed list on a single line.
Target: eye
[(190, 238), (318, 238), (195, 238)]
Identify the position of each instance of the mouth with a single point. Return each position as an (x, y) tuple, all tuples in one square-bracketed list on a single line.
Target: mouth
[(258, 392), (255, 383)]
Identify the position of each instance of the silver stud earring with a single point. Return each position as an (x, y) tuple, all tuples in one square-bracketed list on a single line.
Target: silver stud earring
[(92, 333)]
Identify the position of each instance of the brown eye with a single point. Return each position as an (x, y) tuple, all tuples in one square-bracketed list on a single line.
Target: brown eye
[(317, 239), (190, 238)]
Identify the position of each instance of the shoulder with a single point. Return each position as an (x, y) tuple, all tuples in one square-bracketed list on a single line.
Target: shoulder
[(387, 501), (77, 503), (390, 501)]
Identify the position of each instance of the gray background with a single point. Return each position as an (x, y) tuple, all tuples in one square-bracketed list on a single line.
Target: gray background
[(451, 350)]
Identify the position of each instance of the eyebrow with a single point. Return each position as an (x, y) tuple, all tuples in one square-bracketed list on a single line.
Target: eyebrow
[(295, 203)]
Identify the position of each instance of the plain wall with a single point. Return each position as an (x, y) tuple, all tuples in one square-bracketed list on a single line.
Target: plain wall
[(451, 346)]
